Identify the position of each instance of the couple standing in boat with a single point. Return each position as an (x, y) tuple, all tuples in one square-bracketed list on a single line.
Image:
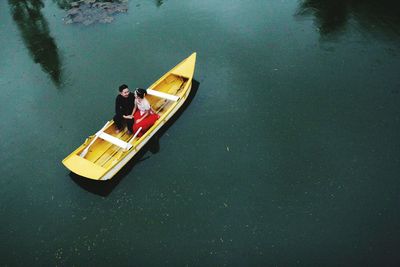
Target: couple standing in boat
[(134, 110)]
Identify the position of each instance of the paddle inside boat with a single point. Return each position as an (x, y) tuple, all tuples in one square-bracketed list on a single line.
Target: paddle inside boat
[(103, 154)]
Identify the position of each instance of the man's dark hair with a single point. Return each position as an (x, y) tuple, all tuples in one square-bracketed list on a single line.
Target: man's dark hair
[(122, 87)]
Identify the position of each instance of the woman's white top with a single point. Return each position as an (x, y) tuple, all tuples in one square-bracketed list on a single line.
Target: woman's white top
[(142, 104)]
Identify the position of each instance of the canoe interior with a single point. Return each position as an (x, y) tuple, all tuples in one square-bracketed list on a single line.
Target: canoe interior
[(173, 85), (105, 154)]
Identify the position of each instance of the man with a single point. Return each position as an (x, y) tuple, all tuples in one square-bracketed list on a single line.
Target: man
[(124, 104)]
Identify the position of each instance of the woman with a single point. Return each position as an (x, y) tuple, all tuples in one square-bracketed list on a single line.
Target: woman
[(142, 113)]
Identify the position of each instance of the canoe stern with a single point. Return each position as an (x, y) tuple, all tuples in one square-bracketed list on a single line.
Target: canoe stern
[(84, 167)]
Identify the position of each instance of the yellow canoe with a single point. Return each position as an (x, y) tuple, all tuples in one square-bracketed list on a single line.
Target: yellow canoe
[(103, 154)]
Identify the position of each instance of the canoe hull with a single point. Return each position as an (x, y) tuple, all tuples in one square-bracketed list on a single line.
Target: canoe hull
[(103, 160)]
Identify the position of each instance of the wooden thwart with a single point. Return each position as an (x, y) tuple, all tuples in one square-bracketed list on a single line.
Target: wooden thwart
[(115, 140), (162, 95)]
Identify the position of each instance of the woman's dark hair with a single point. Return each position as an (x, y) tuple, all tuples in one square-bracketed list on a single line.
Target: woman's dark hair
[(122, 87), (140, 92)]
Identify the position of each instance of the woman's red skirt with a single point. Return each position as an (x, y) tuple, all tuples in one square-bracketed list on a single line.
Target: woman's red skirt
[(146, 123)]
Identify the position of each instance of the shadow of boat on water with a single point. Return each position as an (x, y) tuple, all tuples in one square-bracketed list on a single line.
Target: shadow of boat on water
[(104, 188)]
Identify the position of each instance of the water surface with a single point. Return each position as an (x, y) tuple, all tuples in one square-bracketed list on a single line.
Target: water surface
[(287, 154)]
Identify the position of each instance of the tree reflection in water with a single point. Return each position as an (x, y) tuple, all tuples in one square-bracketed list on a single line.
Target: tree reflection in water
[(332, 17), (159, 3), (36, 36)]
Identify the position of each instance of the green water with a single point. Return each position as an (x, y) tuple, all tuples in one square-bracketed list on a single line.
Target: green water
[(287, 154)]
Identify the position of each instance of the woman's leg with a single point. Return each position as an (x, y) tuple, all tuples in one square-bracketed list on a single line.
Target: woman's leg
[(136, 126), (148, 122)]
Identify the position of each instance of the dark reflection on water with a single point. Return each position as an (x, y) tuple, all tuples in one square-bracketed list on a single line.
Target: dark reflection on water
[(36, 36), (332, 17), (159, 3), (104, 188)]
